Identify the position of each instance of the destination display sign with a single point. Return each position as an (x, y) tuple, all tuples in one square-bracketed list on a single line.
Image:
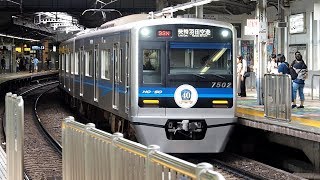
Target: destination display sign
[(196, 33)]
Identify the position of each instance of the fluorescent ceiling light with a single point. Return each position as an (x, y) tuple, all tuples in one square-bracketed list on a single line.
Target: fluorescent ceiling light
[(15, 37)]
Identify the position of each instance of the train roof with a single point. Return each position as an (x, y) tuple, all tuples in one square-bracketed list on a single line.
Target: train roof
[(141, 20)]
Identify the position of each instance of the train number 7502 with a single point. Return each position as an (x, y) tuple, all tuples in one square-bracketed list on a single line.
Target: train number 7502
[(221, 84)]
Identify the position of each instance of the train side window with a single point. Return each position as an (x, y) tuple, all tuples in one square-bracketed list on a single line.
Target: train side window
[(67, 62), (76, 63), (120, 65), (87, 64), (72, 63), (151, 66), (91, 63), (63, 61), (60, 61), (105, 63)]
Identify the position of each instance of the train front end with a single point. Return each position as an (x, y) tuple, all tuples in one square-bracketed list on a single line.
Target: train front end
[(184, 87)]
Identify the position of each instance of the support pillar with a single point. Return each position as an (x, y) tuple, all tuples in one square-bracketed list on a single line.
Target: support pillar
[(281, 31), (261, 45)]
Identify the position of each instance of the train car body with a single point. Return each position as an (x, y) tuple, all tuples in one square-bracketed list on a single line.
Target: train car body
[(173, 80)]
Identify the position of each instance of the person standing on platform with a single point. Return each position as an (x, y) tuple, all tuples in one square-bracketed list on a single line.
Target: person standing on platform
[(242, 74), (239, 70), (31, 65), (273, 65), (18, 64), (21, 64), (35, 63), (3, 64), (295, 60), (283, 67), (298, 84), (48, 64)]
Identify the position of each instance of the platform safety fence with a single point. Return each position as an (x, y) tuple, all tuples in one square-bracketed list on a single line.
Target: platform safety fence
[(14, 127), (277, 96), (312, 84), (92, 154)]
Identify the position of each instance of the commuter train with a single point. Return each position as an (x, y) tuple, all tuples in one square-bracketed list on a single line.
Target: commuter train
[(169, 82)]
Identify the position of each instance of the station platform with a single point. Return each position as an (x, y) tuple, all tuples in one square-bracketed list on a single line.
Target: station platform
[(305, 122), (10, 76)]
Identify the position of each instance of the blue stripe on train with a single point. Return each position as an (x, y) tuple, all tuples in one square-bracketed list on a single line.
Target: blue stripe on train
[(161, 92)]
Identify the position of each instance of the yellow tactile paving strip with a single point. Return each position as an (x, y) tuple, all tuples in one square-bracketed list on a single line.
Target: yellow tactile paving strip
[(257, 113)]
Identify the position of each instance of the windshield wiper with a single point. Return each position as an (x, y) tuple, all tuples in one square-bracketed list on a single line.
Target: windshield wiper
[(216, 75), (199, 76)]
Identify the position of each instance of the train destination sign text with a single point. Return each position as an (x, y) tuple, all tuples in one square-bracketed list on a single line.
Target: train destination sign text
[(194, 32)]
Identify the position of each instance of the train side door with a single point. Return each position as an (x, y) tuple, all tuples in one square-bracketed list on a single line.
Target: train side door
[(127, 78), (96, 72), (69, 59), (73, 72), (64, 69), (82, 58), (73, 68), (116, 76)]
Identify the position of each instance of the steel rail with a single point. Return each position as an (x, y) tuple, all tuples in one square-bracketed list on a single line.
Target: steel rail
[(26, 177), (52, 141)]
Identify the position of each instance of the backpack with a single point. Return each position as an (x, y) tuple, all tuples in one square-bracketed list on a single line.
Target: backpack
[(293, 73)]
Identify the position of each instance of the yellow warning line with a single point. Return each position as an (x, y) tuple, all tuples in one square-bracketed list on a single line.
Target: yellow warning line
[(257, 113)]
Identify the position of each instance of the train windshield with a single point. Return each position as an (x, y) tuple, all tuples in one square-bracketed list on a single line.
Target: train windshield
[(200, 58)]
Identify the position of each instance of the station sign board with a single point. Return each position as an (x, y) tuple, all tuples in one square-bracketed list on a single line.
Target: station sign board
[(252, 27), (297, 23), (316, 11), (37, 47)]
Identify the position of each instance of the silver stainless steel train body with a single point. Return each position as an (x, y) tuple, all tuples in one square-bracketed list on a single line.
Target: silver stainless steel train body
[(172, 79)]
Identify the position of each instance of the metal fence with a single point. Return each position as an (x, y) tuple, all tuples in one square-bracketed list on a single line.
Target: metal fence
[(312, 85), (251, 81), (89, 153), (14, 109), (277, 96)]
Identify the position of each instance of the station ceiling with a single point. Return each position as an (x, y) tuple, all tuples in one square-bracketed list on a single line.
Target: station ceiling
[(24, 10)]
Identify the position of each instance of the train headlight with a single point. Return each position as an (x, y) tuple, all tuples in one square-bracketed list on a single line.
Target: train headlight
[(145, 32), (225, 33), (150, 101)]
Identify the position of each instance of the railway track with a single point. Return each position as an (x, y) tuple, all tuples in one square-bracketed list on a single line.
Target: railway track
[(41, 159), (44, 162), (229, 165), (233, 166)]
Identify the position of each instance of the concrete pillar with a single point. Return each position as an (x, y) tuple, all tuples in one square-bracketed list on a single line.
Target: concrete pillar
[(281, 31), (261, 43)]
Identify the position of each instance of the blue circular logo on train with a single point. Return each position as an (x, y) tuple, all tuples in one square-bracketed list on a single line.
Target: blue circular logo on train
[(186, 96)]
